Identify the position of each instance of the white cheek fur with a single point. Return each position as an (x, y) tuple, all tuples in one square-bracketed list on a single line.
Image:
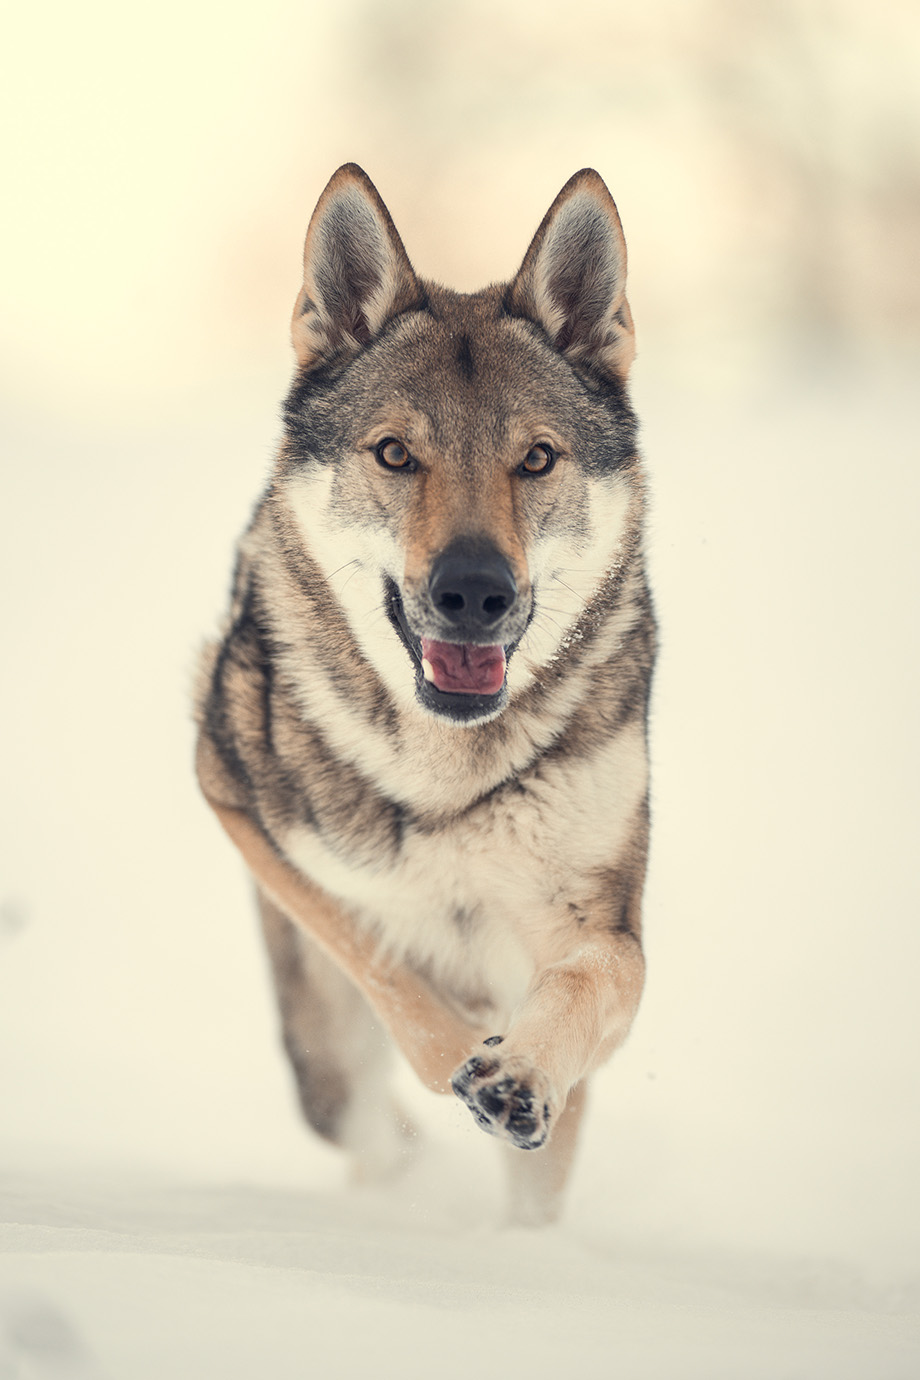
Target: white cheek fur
[(355, 559), (565, 575)]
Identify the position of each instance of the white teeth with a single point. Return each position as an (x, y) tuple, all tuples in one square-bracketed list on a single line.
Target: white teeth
[(427, 669)]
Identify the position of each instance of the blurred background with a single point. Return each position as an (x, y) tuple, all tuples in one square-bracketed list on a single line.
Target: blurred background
[(159, 171)]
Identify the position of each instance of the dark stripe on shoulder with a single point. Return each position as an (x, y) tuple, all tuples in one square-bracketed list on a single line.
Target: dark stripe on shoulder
[(621, 887), (218, 716)]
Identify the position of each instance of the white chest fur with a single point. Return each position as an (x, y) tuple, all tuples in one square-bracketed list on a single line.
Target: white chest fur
[(482, 899)]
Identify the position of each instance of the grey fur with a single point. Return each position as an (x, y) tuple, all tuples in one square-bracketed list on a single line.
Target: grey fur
[(315, 703)]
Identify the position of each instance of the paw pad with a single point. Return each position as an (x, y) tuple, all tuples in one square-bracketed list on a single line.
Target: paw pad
[(506, 1100)]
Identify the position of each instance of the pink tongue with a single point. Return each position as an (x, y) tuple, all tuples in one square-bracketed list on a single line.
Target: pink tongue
[(463, 668)]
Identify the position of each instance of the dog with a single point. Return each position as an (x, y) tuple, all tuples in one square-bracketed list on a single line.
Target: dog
[(425, 723)]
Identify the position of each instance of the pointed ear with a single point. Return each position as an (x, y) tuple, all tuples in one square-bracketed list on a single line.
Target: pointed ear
[(573, 278), (356, 275)]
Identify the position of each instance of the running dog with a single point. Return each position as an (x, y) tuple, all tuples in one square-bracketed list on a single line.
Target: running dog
[(425, 723)]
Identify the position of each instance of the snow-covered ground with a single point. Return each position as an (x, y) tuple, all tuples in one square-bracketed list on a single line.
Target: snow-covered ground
[(154, 1277), (745, 1203)]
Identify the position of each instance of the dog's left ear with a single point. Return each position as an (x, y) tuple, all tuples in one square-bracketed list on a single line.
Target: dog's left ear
[(356, 273), (573, 278)]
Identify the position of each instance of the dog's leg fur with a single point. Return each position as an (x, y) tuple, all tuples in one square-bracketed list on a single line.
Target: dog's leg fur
[(433, 1039), (536, 1183), (338, 1050), (575, 1014)]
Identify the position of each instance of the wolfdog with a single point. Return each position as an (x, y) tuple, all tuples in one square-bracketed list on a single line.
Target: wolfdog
[(425, 723)]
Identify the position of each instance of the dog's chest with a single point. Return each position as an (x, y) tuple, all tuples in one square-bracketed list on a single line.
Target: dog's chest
[(453, 903), (482, 898)]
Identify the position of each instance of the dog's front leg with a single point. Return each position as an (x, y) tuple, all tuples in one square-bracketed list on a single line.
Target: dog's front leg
[(432, 1038), (576, 1013)]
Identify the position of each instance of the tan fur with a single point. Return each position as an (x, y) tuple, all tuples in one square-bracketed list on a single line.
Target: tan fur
[(432, 1039), (471, 864)]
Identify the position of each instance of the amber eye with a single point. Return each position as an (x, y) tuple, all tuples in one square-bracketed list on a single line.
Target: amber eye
[(538, 460), (392, 454)]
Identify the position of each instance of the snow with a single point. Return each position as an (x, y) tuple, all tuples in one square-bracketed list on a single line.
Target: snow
[(177, 1279), (745, 1202)]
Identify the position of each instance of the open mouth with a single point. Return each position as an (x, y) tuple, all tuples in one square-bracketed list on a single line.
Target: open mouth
[(463, 668), (464, 681)]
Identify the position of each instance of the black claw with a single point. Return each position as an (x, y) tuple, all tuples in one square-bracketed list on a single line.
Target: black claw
[(477, 1067)]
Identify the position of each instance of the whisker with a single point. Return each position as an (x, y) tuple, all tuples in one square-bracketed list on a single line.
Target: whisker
[(375, 614), (567, 586), (353, 561), (351, 573), (543, 615), (581, 588)]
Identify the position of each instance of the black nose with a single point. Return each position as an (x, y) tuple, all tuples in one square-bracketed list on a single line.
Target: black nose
[(472, 586)]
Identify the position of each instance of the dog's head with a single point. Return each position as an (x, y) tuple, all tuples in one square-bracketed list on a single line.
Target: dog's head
[(461, 468)]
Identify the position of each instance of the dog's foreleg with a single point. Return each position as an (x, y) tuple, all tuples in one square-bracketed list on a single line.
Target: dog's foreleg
[(432, 1038), (576, 1013), (536, 1183)]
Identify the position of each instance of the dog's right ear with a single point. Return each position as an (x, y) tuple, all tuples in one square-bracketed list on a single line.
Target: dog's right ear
[(356, 275)]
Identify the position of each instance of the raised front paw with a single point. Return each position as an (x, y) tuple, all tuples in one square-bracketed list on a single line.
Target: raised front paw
[(507, 1096)]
